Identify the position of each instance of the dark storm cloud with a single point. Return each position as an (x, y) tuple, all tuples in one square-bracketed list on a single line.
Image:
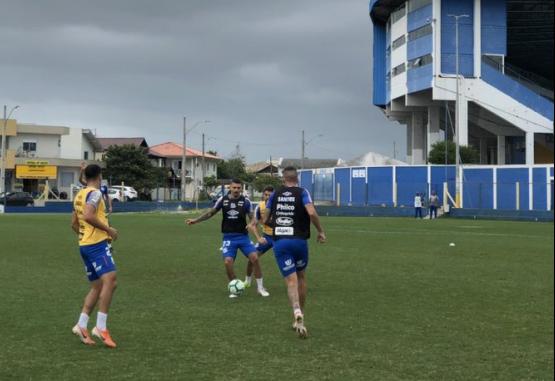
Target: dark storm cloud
[(261, 71)]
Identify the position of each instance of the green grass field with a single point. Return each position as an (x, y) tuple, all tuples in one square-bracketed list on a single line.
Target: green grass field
[(388, 300)]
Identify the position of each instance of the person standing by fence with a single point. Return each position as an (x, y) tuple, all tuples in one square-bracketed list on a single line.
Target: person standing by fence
[(434, 204), (418, 206)]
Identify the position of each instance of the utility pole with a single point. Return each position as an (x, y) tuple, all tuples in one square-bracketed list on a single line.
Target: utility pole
[(302, 150), (184, 156), (184, 161), (457, 132), (3, 165), (203, 160), (271, 167), (394, 149)]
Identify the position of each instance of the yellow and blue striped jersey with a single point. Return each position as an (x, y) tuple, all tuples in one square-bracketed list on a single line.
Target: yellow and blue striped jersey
[(88, 234), (260, 208)]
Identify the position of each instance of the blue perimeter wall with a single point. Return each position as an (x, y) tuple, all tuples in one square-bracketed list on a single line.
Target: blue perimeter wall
[(484, 187)]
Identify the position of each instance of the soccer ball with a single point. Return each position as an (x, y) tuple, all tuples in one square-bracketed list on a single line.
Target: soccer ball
[(236, 287)]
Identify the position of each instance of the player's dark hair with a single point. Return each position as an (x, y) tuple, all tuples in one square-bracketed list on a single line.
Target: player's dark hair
[(236, 181), (269, 188), (290, 173), (92, 172)]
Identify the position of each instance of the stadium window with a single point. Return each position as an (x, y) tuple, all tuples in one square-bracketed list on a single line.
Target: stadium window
[(420, 61), (398, 14), (86, 155), (398, 42), (399, 69), (420, 32), (417, 4)]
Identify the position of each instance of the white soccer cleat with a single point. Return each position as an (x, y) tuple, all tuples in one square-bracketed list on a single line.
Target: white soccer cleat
[(233, 296), (298, 325), (263, 292), (83, 335)]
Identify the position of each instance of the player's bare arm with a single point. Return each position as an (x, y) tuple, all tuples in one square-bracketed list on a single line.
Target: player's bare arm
[(315, 219), (82, 179), (203, 217), (90, 217), (253, 228), (75, 223)]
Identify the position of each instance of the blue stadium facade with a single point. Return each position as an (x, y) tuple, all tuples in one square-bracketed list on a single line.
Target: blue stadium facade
[(506, 60)]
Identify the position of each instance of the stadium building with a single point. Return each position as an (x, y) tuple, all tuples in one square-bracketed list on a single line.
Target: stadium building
[(505, 50)]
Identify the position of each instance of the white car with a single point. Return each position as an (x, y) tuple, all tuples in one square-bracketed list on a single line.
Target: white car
[(114, 194), (129, 192)]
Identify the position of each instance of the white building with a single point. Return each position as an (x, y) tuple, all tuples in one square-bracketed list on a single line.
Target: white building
[(37, 154), (170, 155)]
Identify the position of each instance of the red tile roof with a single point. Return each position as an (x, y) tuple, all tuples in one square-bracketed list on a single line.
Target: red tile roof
[(170, 149)]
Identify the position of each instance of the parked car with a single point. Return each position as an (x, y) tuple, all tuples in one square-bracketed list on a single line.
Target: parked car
[(114, 194), (17, 199), (129, 192), (214, 196)]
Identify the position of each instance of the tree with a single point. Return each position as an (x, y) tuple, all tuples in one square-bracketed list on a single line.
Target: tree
[(262, 181), (469, 155), (130, 164), (233, 169), (211, 181)]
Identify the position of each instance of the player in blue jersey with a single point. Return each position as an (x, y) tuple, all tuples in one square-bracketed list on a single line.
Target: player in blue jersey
[(290, 209), (236, 208)]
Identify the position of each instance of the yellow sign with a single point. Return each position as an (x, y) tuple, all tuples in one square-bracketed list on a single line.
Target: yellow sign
[(37, 162), (36, 172)]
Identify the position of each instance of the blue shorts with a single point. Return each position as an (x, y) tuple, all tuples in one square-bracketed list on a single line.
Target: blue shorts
[(269, 244), (98, 260), (232, 243), (291, 255)]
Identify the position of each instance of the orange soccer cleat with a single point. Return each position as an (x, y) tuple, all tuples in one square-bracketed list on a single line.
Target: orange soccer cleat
[(104, 336)]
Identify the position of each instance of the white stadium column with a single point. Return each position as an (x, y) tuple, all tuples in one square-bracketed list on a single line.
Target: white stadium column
[(501, 147), (409, 141), (529, 148), (418, 138), (462, 116), (434, 134), (477, 38)]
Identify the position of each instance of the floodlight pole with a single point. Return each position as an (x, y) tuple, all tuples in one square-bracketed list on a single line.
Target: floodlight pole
[(457, 132), (304, 144)]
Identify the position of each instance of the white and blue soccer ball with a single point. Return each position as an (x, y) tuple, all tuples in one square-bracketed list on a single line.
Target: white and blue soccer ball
[(236, 287)]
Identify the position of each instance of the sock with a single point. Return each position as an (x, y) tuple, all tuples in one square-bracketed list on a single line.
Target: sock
[(101, 321), (248, 279), (83, 320), (297, 311), (260, 283)]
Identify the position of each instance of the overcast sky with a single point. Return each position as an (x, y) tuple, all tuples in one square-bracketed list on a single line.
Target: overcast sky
[(261, 71)]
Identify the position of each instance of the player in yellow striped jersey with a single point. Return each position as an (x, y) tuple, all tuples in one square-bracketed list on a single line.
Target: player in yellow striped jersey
[(89, 221), (267, 242)]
